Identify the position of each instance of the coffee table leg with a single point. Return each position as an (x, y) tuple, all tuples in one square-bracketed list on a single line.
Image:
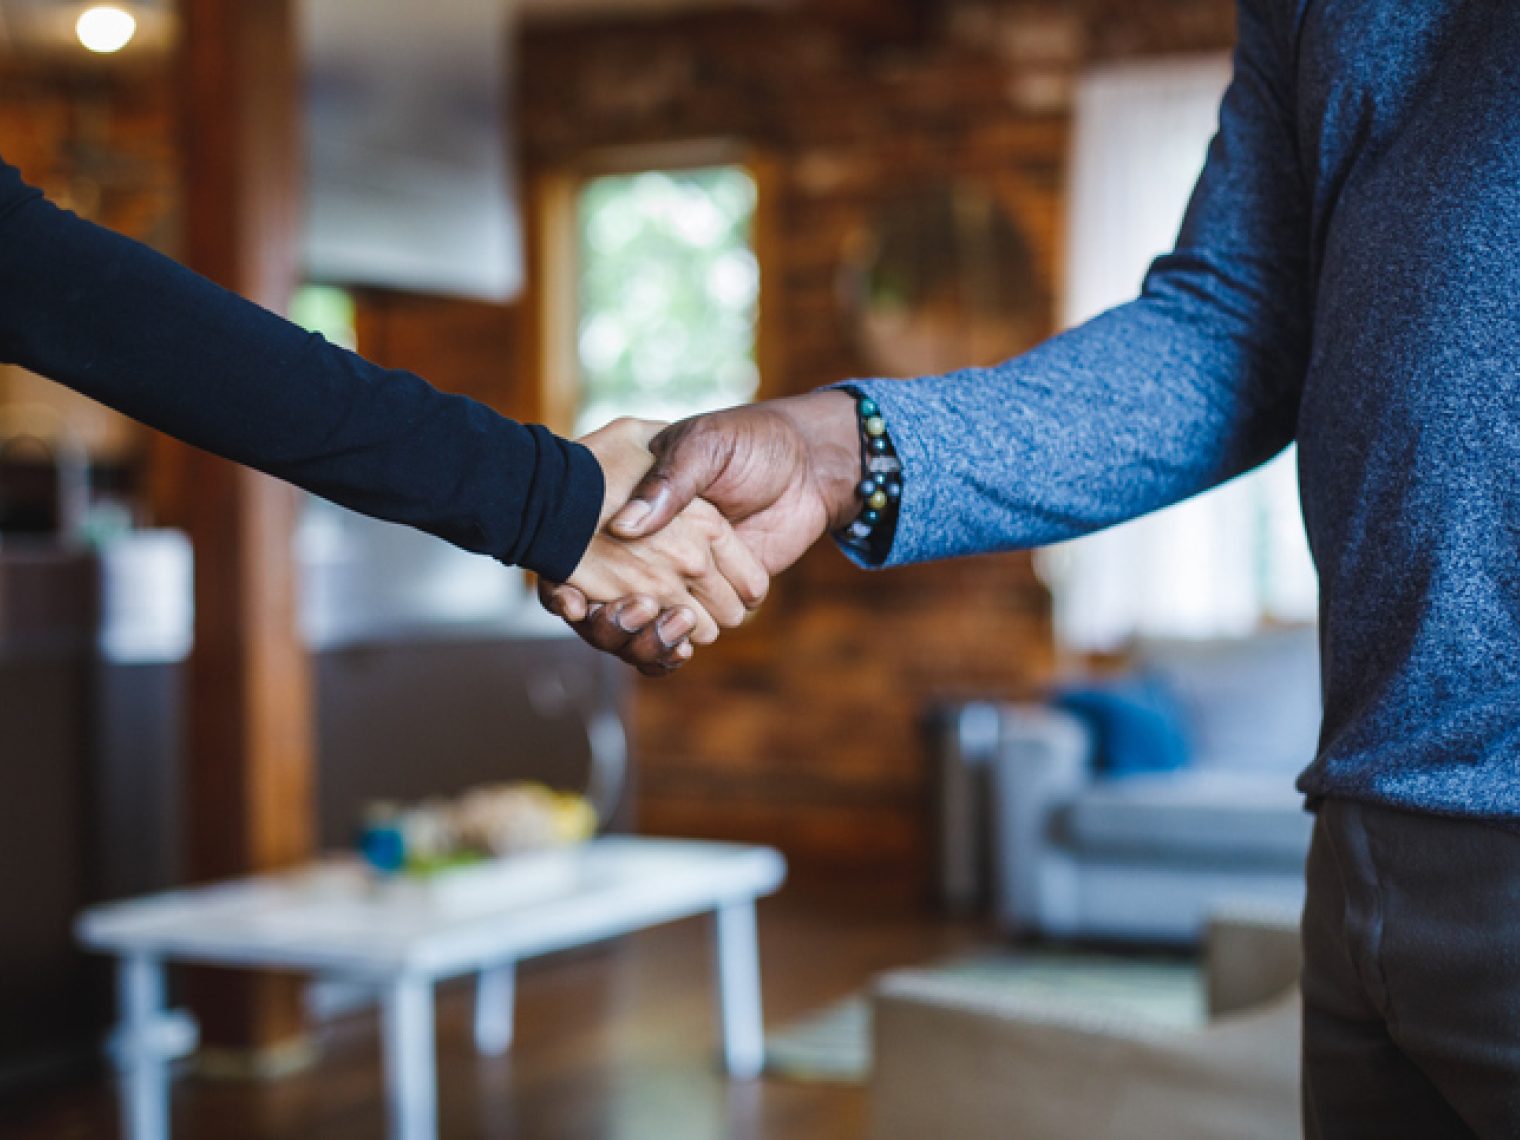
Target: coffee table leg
[(495, 994), (411, 1084), (144, 1069), (739, 990)]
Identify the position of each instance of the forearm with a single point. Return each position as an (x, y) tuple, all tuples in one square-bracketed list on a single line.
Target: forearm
[(1105, 423), (130, 328), (1191, 384)]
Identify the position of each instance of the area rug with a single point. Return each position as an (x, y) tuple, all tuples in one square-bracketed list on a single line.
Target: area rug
[(834, 1044)]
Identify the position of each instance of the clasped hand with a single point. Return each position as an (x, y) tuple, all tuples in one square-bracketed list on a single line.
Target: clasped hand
[(698, 516), (693, 573)]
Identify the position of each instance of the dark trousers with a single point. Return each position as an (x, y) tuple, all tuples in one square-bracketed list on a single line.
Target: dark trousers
[(1411, 977)]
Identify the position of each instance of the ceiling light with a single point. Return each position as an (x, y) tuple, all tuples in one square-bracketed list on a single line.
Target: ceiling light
[(105, 28)]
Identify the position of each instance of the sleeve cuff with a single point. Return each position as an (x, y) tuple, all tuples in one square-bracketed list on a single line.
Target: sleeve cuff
[(560, 544), (910, 540)]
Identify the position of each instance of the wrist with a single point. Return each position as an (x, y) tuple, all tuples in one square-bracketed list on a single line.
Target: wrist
[(621, 449), (826, 421), (870, 535)]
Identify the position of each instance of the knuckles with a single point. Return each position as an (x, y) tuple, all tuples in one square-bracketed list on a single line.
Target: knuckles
[(756, 590), (692, 560)]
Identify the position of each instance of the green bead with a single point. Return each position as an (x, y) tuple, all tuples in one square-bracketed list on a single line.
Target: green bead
[(876, 426), (868, 408), (878, 501)]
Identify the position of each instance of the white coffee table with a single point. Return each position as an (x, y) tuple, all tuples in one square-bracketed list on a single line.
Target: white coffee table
[(329, 919)]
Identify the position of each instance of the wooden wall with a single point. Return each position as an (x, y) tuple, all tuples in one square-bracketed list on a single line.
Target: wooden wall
[(804, 729), (460, 346), (100, 139)]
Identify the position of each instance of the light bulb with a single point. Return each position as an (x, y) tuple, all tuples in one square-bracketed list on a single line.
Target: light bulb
[(105, 28)]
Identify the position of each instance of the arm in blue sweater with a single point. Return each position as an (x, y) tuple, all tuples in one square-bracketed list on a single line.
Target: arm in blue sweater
[(1193, 383)]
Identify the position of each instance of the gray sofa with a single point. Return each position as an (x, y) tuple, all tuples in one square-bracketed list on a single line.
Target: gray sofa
[(1148, 857)]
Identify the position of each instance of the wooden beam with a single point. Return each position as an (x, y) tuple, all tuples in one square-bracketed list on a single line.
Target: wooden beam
[(546, 311), (250, 734)]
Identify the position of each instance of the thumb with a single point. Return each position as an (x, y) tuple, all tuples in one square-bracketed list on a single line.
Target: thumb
[(688, 459)]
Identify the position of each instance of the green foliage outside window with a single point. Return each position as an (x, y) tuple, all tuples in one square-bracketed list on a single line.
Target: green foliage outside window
[(669, 290), (325, 309)]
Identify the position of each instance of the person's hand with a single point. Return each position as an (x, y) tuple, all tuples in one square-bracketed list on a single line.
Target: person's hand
[(695, 569), (783, 473)]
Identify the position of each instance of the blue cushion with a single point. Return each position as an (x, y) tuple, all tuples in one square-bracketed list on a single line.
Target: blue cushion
[(1136, 724)]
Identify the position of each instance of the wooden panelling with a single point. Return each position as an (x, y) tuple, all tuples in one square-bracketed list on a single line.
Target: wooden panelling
[(460, 346)]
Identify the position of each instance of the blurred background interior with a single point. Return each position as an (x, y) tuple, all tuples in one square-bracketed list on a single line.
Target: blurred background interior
[(578, 209)]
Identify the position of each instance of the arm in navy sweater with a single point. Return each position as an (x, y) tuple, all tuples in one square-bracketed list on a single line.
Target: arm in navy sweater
[(130, 328), (1193, 383)]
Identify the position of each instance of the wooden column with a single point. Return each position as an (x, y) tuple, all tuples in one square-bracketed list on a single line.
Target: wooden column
[(250, 763)]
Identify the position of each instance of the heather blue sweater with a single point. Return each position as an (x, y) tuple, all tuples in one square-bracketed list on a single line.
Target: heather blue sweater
[(118, 322), (1348, 275)]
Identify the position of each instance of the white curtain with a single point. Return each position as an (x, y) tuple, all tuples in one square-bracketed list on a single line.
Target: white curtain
[(1221, 563)]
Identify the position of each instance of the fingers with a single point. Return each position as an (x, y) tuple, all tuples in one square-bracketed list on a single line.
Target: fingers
[(687, 460), (613, 627), (722, 605), (647, 653), (711, 585), (707, 629), (656, 644), (740, 568), (716, 566), (628, 629)]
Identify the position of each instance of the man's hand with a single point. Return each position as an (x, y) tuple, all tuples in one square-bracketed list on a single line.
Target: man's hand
[(783, 473), (696, 564)]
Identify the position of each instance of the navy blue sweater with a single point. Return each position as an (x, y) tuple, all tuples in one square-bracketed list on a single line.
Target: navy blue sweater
[(120, 323), (1348, 275)]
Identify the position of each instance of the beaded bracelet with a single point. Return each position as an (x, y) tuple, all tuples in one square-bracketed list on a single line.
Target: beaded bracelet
[(880, 487)]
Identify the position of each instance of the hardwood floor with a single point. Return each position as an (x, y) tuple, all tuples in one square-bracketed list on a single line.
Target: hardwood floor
[(613, 1043)]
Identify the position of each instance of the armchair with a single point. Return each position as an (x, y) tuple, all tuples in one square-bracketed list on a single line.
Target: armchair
[(1077, 852)]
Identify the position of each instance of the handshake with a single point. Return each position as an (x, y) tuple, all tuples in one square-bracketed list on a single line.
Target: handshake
[(700, 515)]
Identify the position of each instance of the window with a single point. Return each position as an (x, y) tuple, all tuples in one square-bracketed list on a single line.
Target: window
[(667, 293), (328, 310), (1223, 563)]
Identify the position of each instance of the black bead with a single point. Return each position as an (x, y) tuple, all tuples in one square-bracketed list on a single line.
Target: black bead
[(870, 517), (879, 444)]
